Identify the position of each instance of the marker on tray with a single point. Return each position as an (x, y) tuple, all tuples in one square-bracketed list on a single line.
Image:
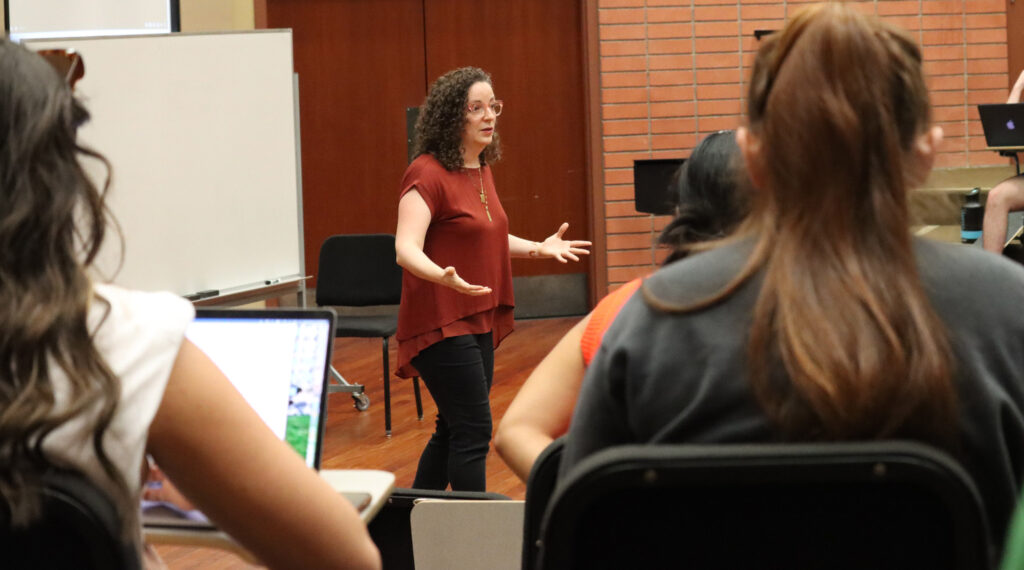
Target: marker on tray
[(203, 294)]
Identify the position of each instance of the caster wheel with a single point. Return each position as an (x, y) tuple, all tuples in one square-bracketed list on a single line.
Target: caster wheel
[(361, 402)]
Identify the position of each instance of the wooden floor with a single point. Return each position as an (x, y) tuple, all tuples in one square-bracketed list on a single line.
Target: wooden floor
[(355, 440)]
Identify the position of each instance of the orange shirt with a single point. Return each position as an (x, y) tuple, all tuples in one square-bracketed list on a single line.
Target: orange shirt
[(602, 316), (460, 235)]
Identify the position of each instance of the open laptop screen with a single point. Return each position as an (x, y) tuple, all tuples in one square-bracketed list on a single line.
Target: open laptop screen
[(279, 361), (1003, 124)]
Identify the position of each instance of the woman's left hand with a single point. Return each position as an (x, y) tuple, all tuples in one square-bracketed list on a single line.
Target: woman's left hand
[(561, 249)]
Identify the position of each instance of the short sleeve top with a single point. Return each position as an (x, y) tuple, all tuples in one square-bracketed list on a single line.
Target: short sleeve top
[(139, 335), (602, 316), (460, 235)]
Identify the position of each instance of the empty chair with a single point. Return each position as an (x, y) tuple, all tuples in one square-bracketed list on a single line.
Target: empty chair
[(879, 505), (359, 271), (77, 527)]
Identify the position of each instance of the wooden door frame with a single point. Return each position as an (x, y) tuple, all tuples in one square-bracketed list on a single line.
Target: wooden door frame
[(259, 11), (598, 261), (1014, 41)]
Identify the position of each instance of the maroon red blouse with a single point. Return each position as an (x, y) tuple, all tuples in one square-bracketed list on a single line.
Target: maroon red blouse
[(459, 235)]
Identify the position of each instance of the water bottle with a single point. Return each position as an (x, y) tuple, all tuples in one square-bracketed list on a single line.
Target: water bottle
[(971, 214)]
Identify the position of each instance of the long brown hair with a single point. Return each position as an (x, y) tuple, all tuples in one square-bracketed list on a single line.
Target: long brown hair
[(844, 342), (52, 224)]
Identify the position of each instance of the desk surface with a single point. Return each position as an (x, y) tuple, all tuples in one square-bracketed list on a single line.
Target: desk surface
[(379, 484)]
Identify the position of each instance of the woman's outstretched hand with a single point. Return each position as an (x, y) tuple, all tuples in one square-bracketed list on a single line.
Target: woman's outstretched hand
[(561, 249), (452, 279)]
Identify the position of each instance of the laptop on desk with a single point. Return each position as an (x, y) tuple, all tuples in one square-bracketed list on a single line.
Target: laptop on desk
[(1003, 124), (279, 360)]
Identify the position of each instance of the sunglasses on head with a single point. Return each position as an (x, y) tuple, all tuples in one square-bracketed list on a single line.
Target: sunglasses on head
[(68, 63)]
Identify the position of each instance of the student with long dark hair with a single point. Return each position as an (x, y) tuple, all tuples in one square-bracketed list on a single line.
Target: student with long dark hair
[(823, 319), (93, 376), (710, 202)]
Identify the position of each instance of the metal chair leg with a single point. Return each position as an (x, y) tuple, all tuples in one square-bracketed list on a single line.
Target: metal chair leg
[(339, 384), (419, 402), (387, 391)]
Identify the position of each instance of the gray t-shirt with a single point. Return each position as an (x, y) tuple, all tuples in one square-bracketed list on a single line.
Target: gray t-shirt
[(670, 378)]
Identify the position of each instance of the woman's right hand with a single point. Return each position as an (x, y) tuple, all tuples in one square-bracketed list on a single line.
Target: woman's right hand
[(451, 279)]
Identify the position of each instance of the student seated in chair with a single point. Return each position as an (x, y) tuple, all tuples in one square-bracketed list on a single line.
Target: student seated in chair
[(709, 205), (1005, 197), (92, 376), (822, 318)]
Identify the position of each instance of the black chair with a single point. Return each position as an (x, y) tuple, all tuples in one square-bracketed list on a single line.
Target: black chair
[(78, 527), (540, 485), (360, 271), (391, 530), (879, 505)]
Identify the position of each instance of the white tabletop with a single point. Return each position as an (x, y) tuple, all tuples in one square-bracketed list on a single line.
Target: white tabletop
[(378, 484)]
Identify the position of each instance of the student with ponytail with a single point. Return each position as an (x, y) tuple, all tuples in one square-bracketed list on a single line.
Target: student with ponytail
[(822, 319), (709, 205)]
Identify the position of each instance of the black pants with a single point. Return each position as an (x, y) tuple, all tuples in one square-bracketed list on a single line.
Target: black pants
[(458, 372)]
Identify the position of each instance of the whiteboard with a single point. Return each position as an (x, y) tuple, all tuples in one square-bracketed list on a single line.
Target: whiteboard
[(201, 132)]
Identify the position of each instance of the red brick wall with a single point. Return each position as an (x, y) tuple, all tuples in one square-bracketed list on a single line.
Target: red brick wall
[(673, 71)]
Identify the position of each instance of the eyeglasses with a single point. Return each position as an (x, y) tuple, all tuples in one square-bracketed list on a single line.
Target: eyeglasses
[(476, 108)]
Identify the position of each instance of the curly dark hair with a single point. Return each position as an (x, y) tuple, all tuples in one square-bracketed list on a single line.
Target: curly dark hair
[(443, 117)]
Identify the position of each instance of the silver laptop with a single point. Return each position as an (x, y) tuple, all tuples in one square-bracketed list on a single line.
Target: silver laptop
[(279, 360)]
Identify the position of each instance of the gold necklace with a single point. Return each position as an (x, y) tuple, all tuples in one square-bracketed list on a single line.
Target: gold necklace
[(483, 195)]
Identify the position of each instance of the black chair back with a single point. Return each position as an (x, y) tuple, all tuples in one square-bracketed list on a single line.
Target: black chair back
[(78, 527), (836, 506), (540, 485), (358, 270)]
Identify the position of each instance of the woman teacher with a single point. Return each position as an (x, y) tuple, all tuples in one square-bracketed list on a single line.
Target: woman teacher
[(452, 241)]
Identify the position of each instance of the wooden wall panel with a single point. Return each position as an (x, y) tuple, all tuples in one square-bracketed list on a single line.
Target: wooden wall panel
[(1014, 39), (533, 51), (360, 64)]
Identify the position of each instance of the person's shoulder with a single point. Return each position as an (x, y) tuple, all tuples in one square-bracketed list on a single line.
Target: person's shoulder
[(425, 164), (700, 275), (602, 316), (968, 283), (131, 313), (426, 173), (939, 262)]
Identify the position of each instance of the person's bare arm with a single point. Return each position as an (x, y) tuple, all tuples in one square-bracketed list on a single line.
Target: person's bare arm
[(222, 456), (413, 221), (1018, 88), (1006, 197), (542, 409)]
